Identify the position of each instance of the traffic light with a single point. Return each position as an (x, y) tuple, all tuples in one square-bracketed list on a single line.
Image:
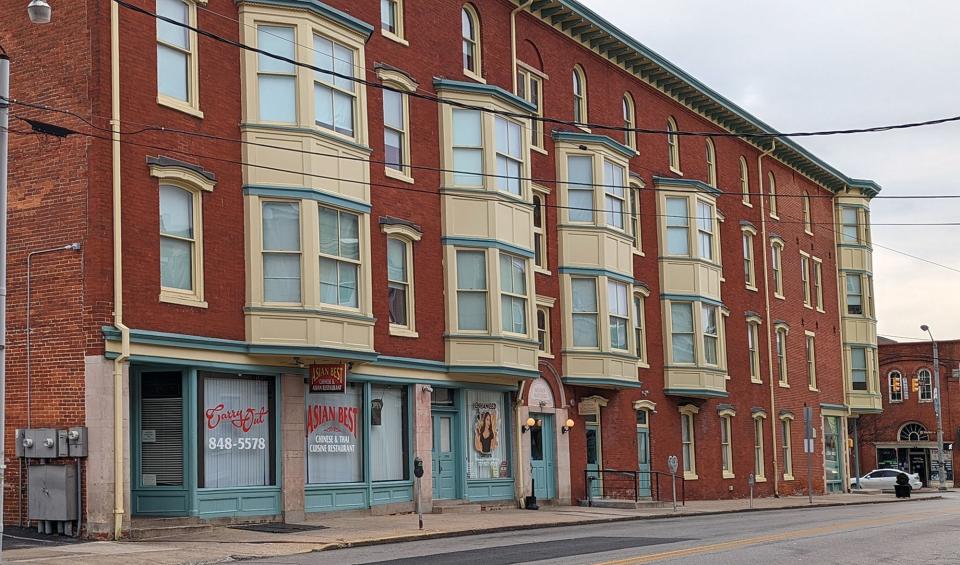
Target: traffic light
[(896, 386), (914, 384)]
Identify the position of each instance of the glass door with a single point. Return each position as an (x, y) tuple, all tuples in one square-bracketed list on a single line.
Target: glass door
[(643, 453), (594, 457)]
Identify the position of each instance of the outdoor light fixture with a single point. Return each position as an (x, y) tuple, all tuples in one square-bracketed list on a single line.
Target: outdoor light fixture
[(567, 426), (39, 11), (530, 423)]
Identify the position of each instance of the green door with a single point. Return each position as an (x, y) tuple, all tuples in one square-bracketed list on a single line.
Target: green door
[(594, 460), (444, 455), (543, 457), (643, 454)]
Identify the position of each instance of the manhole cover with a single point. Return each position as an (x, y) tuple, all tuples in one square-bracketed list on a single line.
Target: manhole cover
[(278, 528)]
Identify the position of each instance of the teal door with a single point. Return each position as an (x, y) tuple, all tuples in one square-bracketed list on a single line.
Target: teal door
[(594, 461), (543, 465), (643, 457), (444, 456)]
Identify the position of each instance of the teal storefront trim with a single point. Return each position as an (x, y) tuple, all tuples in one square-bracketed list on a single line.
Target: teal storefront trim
[(189, 498), (329, 497), (482, 489), (490, 489)]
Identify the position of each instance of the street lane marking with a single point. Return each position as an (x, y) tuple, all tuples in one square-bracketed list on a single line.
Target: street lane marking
[(794, 534)]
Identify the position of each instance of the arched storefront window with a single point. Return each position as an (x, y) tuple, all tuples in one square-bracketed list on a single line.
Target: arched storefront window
[(913, 432)]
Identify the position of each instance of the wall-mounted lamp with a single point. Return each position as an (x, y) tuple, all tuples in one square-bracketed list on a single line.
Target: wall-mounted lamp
[(567, 426), (531, 423)]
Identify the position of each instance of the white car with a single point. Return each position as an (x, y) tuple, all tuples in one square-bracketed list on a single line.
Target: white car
[(885, 479)]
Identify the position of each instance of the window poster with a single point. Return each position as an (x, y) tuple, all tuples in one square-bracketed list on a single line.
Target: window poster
[(488, 449), (236, 424), (334, 436)]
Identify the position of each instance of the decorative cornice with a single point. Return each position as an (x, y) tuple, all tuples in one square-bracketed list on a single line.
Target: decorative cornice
[(352, 23), (685, 184), (441, 84), (578, 137)]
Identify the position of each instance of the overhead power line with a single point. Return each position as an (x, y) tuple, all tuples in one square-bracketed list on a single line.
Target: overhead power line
[(545, 119)]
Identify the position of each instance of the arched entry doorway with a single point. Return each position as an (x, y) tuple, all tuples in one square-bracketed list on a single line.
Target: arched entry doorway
[(544, 445)]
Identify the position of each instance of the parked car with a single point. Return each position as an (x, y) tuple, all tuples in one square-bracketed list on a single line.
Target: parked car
[(885, 479)]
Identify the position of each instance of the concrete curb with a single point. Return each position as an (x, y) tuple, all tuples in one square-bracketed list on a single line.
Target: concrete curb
[(587, 522)]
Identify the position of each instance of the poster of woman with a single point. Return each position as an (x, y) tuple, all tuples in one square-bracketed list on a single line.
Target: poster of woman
[(486, 440)]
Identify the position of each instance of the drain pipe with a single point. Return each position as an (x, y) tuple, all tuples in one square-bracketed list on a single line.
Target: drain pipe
[(766, 299), (513, 37), (118, 482)]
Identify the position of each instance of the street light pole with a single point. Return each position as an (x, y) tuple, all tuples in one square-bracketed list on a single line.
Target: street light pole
[(942, 471), (4, 122)]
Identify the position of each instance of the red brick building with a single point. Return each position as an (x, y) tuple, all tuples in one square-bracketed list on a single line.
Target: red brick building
[(904, 436), (346, 205)]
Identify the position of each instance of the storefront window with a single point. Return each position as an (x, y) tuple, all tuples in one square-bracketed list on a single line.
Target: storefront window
[(831, 453), (487, 438), (238, 434), (389, 433), (334, 436)]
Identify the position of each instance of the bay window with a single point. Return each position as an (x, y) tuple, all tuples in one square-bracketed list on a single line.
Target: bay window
[(472, 290), (858, 369), (678, 222), (580, 188), (849, 225), (467, 148), (335, 97), (281, 251), (585, 312), (683, 335), (711, 333), (276, 79), (509, 155), (638, 326), (854, 295), (705, 229), (513, 294), (539, 232), (339, 257), (614, 194), (619, 314)]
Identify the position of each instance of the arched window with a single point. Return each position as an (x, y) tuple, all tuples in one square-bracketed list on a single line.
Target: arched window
[(772, 189), (807, 220), (673, 145), (745, 181), (926, 386), (913, 432), (711, 163), (629, 121), (895, 386), (470, 30), (579, 96)]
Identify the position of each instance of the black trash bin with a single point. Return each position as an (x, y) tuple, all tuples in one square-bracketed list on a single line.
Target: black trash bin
[(902, 488)]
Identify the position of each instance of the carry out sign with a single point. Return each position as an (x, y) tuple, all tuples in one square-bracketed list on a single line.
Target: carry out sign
[(328, 378)]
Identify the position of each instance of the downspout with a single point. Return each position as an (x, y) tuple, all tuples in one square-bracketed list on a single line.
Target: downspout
[(513, 38), (766, 299), (118, 482)]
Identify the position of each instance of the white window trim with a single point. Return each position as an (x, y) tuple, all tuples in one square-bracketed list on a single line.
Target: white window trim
[(810, 339), (673, 146), (776, 267), (760, 474), (487, 291), (408, 235), (476, 75), (787, 447), (580, 103), (641, 293), (192, 105), (807, 215), (753, 327), (541, 192), (530, 75), (399, 35), (805, 280), (772, 194), (689, 410), (300, 252), (635, 187), (818, 282), (745, 183), (400, 81), (711, 158), (196, 184), (629, 121), (783, 376), (890, 388), (726, 420), (547, 351), (750, 233), (920, 397)]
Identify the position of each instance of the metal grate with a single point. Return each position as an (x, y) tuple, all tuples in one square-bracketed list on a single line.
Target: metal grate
[(277, 528)]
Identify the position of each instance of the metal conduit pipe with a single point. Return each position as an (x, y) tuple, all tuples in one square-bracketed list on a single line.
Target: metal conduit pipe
[(766, 300)]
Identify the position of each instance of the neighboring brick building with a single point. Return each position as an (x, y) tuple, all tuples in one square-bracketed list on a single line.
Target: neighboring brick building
[(904, 436), (464, 266)]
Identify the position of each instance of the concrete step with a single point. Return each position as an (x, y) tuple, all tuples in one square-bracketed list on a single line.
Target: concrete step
[(156, 528), (626, 504), (455, 507)]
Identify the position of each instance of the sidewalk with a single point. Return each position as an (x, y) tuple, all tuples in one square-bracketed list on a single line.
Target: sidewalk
[(224, 544)]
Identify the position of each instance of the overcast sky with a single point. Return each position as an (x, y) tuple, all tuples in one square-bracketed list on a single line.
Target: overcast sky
[(844, 64)]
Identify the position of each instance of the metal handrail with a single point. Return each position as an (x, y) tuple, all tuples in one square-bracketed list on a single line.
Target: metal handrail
[(653, 480)]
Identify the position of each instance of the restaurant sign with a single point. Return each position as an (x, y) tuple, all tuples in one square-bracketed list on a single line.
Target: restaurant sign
[(328, 378)]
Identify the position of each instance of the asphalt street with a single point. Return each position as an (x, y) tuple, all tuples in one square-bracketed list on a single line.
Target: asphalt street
[(905, 533)]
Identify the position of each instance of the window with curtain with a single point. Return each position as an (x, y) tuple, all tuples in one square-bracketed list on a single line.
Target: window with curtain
[(580, 188), (335, 97), (854, 294), (705, 227), (858, 366), (781, 346), (509, 149), (339, 257), (585, 312), (614, 194), (398, 281), (395, 131), (471, 290), (469, 33), (711, 333), (281, 251), (711, 163), (683, 334), (177, 241), (237, 422), (389, 433), (849, 225), (678, 223), (174, 50), (467, 148), (488, 445), (513, 293), (617, 303), (276, 79), (335, 436)]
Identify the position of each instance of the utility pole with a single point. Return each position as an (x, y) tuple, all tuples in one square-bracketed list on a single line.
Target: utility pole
[(4, 137), (942, 471)]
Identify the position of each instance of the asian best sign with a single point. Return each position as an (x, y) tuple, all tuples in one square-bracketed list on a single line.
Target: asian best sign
[(328, 378)]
